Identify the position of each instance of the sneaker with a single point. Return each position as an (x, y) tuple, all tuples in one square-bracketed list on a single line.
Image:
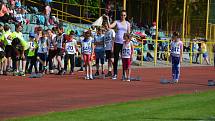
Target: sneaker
[(87, 77), (123, 78), (59, 72), (109, 74), (15, 73), (5, 73), (81, 70), (91, 77), (71, 73), (51, 71), (114, 77), (22, 73), (63, 72), (128, 80), (97, 73), (176, 81), (1, 72)]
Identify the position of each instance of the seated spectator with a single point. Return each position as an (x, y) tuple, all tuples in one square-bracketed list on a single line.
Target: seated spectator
[(47, 14), (4, 13)]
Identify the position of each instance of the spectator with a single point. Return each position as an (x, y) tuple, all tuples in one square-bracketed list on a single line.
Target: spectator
[(47, 14), (214, 54), (204, 51), (122, 27), (4, 13)]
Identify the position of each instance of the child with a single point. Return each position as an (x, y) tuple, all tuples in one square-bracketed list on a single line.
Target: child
[(109, 41), (8, 47), (87, 47), (99, 50), (52, 50), (60, 45), (127, 53), (32, 56), (20, 46), (3, 60), (204, 51), (43, 51), (176, 56), (214, 54), (71, 47)]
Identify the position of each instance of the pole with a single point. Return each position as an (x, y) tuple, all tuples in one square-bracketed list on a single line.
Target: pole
[(156, 42), (209, 45), (207, 19), (184, 19), (99, 4), (124, 4)]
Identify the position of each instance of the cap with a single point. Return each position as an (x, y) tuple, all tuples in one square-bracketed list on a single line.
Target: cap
[(31, 34)]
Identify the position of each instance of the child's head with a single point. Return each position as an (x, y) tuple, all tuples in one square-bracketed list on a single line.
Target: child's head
[(18, 27), (105, 25), (127, 37), (175, 36), (6, 27), (99, 30), (87, 33), (44, 34), (60, 29), (49, 32), (31, 36), (72, 33)]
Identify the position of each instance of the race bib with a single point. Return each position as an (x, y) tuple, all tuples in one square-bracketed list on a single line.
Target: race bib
[(126, 52)]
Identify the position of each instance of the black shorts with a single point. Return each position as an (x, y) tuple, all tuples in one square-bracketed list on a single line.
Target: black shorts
[(8, 51), (109, 54), (2, 54), (59, 52)]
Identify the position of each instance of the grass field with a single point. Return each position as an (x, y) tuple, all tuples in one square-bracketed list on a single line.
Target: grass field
[(198, 106)]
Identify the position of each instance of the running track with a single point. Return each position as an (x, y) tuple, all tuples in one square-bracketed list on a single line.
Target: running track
[(22, 96)]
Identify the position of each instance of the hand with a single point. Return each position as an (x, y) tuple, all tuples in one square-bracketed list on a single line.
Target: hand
[(181, 60), (23, 56)]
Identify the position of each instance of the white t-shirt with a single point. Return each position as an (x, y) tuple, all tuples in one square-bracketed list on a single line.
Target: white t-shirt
[(176, 48), (70, 47), (43, 45), (108, 37), (126, 50)]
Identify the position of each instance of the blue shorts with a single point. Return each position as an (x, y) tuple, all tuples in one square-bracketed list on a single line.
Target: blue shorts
[(100, 55), (205, 55)]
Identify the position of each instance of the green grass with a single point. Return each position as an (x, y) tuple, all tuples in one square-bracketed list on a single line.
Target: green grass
[(189, 107)]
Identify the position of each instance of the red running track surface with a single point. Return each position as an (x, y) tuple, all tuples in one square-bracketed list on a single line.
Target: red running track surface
[(22, 96)]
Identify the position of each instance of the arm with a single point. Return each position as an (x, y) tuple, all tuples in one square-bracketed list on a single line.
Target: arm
[(129, 28), (111, 26), (181, 53), (132, 50), (92, 50)]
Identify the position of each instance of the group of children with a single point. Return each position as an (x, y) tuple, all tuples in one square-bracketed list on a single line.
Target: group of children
[(44, 47)]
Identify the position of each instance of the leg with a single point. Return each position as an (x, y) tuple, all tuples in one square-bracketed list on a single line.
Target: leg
[(177, 68), (173, 68), (117, 50), (66, 58), (72, 63)]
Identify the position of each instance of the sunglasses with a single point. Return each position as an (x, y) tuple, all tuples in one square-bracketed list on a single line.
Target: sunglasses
[(123, 15)]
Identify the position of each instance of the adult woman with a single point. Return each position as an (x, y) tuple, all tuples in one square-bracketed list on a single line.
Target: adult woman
[(122, 26)]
